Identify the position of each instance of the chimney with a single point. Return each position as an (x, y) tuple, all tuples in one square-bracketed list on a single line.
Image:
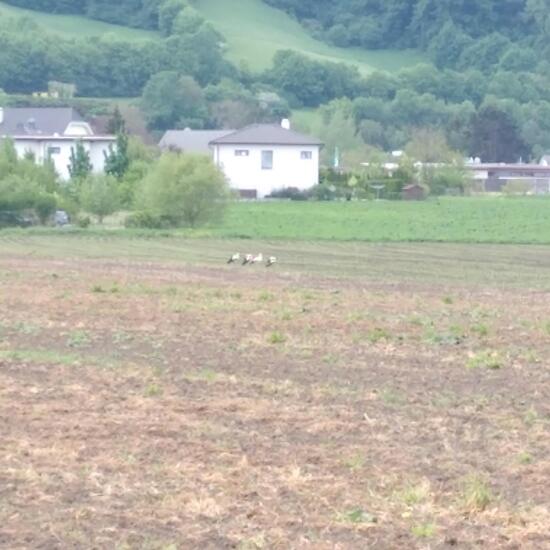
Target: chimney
[(285, 123), (1, 115)]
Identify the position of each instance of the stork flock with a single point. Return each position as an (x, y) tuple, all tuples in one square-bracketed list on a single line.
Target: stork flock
[(251, 259)]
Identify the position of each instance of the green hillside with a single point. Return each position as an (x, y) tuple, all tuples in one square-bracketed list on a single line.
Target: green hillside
[(255, 31), (70, 26)]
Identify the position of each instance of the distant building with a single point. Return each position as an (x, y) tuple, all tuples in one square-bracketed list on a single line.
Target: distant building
[(492, 177), (256, 160), (50, 134)]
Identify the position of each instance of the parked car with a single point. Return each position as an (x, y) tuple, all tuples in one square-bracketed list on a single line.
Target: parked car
[(61, 218), (14, 219)]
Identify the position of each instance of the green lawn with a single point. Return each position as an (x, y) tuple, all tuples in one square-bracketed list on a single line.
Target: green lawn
[(476, 220), (73, 26), (255, 31)]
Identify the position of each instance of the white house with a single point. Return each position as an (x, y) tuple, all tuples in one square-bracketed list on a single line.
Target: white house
[(262, 158), (258, 159), (51, 133)]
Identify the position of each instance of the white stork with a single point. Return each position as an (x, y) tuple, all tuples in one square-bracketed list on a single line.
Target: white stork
[(234, 258), (257, 259), (272, 260), (247, 259)]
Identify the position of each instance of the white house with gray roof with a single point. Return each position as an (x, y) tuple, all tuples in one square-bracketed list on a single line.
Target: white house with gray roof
[(256, 160), (263, 158), (51, 134)]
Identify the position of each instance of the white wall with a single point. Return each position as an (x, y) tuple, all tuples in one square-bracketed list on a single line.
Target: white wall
[(289, 170), (61, 159)]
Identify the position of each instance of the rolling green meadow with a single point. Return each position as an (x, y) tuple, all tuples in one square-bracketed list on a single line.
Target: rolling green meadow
[(459, 220), (255, 31)]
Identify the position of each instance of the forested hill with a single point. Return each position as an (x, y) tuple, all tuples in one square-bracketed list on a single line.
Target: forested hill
[(456, 32), (410, 22)]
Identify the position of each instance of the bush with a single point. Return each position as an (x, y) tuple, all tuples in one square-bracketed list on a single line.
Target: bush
[(292, 193), (98, 195), (325, 192), (444, 180), (44, 206), (187, 190), (83, 222), (146, 220)]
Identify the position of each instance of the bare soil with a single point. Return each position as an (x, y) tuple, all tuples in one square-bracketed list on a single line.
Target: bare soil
[(158, 406)]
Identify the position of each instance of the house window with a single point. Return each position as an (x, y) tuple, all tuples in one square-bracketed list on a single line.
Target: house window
[(267, 160), (306, 155), (242, 152), (54, 151)]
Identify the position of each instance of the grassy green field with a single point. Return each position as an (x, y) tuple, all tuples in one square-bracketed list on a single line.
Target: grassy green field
[(484, 220), (72, 26), (255, 31), (476, 220)]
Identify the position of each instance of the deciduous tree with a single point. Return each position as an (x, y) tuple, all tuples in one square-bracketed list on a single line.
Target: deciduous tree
[(186, 189)]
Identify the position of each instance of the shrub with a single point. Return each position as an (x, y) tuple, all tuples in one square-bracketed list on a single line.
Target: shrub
[(186, 189), (98, 195), (83, 222), (146, 220), (292, 193), (19, 193), (44, 206), (324, 192)]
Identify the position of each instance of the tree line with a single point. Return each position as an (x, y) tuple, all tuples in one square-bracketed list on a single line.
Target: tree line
[(457, 25), (106, 67)]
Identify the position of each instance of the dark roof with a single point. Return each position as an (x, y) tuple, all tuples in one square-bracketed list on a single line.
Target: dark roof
[(192, 141), (266, 134), (37, 121)]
